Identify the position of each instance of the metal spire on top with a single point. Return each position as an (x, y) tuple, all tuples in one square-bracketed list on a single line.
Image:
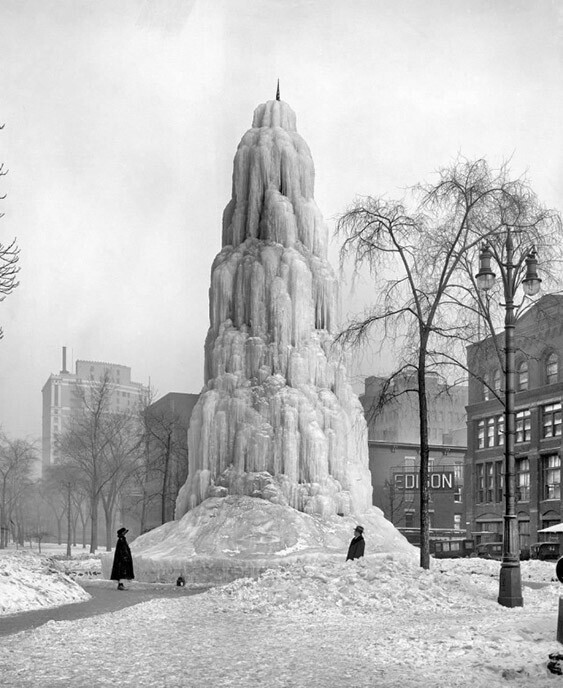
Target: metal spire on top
[(278, 91)]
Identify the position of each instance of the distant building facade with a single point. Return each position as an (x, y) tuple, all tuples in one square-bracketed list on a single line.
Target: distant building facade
[(168, 420), (60, 401), (538, 425), (394, 454)]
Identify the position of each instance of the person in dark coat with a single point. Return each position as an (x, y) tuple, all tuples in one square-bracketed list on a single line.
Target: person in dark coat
[(357, 546), (122, 568)]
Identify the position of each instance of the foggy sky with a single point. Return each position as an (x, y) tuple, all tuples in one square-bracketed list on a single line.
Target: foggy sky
[(122, 121)]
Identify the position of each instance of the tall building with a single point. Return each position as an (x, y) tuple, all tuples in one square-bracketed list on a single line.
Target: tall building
[(394, 454), (59, 397), (538, 441)]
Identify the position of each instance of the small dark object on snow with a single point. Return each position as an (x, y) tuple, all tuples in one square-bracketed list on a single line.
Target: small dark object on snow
[(180, 582), (555, 664)]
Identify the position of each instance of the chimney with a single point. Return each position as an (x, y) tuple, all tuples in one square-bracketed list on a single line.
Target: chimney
[(64, 370)]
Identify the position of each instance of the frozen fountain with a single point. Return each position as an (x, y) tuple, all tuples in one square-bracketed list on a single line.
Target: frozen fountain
[(278, 454)]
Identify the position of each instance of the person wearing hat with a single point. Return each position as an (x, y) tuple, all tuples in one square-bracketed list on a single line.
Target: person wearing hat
[(122, 568), (357, 546)]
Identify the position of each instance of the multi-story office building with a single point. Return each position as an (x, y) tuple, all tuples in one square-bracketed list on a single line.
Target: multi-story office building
[(394, 453), (538, 422), (60, 398)]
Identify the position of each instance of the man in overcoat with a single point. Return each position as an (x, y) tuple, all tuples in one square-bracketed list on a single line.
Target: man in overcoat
[(122, 568), (357, 546)]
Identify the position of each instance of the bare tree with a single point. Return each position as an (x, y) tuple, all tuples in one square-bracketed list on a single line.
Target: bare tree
[(122, 458), (62, 482), (9, 257), (420, 260), (94, 442), (16, 463), (168, 442), (163, 465)]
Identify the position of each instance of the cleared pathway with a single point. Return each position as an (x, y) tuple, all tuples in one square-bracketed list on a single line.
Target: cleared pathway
[(105, 599)]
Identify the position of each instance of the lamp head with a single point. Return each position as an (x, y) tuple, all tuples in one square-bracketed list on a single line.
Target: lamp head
[(485, 277), (531, 282)]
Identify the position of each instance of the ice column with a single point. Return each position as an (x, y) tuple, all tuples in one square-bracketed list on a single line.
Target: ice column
[(277, 418)]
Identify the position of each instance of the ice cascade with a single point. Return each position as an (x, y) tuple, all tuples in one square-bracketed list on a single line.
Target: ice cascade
[(277, 418)]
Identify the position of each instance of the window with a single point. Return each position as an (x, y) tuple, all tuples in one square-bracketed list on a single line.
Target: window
[(496, 380), (500, 430), (480, 482), (523, 480), (409, 520), (499, 481), (457, 522), (490, 482), (524, 534), (491, 432), (551, 420), (552, 368), (486, 386), (481, 434), (523, 426), (457, 495), (551, 476), (409, 461), (522, 376)]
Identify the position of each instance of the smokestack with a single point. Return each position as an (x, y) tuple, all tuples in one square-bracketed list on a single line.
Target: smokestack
[(64, 370)]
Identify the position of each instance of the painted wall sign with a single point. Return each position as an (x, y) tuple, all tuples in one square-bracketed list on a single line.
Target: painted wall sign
[(437, 480)]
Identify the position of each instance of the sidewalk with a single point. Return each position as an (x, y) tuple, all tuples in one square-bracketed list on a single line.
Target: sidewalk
[(105, 599)]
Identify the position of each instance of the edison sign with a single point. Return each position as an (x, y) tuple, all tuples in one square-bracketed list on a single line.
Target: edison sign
[(436, 481)]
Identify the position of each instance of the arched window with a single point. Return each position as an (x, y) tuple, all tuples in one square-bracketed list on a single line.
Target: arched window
[(496, 380), (552, 368), (522, 375)]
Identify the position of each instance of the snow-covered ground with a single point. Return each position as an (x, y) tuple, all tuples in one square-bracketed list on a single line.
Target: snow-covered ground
[(32, 581), (378, 622)]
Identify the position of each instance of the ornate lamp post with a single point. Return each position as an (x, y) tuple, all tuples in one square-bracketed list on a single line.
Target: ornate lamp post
[(510, 583)]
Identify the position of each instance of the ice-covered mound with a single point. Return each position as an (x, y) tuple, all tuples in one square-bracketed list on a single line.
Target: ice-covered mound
[(31, 581), (225, 538)]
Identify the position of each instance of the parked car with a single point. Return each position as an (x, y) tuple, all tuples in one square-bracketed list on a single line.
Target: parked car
[(545, 550), (451, 549), (489, 550)]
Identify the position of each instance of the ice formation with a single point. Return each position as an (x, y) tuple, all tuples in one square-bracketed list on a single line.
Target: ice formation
[(277, 418)]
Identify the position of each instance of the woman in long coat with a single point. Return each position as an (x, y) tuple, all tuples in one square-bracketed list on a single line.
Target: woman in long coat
[(122, 568)]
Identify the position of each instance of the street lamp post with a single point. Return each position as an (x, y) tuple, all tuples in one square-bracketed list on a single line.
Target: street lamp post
[(510, 582)]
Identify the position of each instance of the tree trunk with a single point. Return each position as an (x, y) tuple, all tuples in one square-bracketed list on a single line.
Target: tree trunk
[(108, 513), (165, 479), (424, 455), (94, 499), (68, 523)]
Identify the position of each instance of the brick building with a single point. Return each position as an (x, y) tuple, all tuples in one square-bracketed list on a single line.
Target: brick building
[(538, 422), (394, 454)]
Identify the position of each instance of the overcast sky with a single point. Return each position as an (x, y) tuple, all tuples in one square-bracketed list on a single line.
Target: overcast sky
[(122, 121)]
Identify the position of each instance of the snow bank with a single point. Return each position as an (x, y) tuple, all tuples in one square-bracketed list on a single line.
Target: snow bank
[(380, 584), (32, 581)]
